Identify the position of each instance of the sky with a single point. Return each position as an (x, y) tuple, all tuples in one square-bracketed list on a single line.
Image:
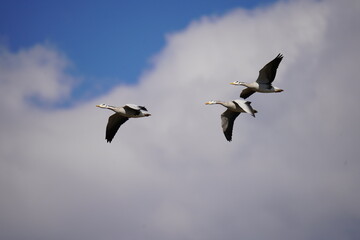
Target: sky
[(108, 43), (292, 172)]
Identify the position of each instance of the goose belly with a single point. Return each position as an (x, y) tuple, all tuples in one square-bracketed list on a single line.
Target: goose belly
[(127, 114), (262, 90), (236, 109), (131, 114), (265, 88)]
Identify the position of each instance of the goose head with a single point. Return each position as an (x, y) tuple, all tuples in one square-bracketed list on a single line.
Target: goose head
[(211, 102), (238, 83), (103, 105)]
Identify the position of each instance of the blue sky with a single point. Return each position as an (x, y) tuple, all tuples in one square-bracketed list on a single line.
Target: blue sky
[(108, 42)]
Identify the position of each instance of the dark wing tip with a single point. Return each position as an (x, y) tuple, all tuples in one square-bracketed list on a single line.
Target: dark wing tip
[(277, 60), (228, 135), (109, 136), (142, 108)]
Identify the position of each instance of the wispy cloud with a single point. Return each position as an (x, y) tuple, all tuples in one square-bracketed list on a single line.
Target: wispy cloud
[(292, 172)]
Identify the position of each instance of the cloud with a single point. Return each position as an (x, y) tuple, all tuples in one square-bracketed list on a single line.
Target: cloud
[(39, 72), (292, 172)]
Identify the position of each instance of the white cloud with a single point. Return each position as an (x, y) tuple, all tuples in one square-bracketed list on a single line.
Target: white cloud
[(36, 72), (292, 172)]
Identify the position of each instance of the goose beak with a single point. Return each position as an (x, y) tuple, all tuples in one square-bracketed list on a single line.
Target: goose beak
[(236, 83)]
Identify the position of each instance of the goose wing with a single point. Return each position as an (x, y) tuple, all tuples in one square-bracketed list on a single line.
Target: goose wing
[(268, 72), (143, 108), (247, 92), (227, 123), (133, 109), (245, 105), (114, 123)]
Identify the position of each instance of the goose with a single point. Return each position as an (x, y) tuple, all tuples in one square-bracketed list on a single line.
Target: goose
[(234, 108), (264, 81), (122, 114)]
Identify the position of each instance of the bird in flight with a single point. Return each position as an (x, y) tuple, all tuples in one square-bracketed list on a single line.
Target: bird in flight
[(122, 114), (234, 108), (264, 81)]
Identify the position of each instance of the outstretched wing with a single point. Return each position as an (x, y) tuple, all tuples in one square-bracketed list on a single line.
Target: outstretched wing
[(268, 72), (227, 123), (247, 92), (114, 123)]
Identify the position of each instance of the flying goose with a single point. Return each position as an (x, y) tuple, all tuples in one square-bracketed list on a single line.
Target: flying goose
[(122, 114), (263, 83), (234, 108)]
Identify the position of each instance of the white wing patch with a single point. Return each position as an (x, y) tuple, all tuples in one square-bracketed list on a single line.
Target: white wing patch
[(245, 105)]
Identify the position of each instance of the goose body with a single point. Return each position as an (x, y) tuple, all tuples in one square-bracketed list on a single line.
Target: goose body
[(121, 115), (264, 81), (234, 108)]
